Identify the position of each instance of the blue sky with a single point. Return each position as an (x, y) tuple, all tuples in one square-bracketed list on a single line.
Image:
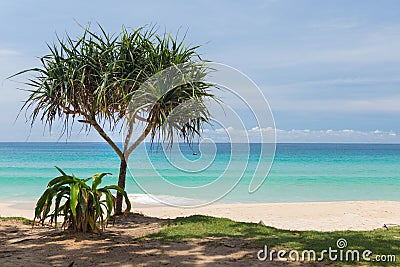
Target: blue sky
[(329, 69)]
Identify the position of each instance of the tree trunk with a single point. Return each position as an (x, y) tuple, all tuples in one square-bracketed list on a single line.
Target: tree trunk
[(121, 183)]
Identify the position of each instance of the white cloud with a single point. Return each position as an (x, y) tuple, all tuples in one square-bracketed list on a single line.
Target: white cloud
[(304, 135), (373, 104), (343, 42), (348, 81), (8, 52)]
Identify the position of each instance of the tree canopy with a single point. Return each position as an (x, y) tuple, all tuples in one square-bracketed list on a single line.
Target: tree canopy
[(96, 80)]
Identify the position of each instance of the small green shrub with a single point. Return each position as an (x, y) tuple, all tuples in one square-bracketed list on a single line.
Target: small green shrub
[(83, 207)]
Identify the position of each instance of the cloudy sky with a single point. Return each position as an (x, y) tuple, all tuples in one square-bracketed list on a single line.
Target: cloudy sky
[(329, 69)]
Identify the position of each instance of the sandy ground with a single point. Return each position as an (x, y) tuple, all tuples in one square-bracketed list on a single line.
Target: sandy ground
[(321, 216), (22, 245)]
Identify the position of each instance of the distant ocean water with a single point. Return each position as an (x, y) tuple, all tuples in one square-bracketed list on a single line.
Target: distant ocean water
[(300, 172)]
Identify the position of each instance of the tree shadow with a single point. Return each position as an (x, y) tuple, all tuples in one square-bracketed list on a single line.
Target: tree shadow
[(250, 235), (137, 240)]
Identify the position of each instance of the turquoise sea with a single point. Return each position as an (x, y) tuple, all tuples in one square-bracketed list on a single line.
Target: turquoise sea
[(300, 172)]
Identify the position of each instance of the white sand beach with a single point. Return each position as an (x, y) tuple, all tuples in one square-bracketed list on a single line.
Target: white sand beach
[(320, 216)]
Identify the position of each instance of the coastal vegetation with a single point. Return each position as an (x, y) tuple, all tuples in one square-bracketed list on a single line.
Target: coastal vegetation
[(96, 80), (384, 242), (83, 207)]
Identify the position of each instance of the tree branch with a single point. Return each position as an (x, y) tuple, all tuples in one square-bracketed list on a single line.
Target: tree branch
[(69, 111), (139, 140), (140, 118), (128, 137), (107, 138)]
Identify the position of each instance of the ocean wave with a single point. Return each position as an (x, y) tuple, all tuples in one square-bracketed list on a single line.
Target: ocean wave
[(150, 199)]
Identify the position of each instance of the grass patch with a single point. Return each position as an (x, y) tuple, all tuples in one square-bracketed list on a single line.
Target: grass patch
[(380, 242), (21, 219)]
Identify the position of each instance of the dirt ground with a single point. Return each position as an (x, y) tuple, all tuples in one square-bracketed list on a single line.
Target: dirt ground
[(22, 245)]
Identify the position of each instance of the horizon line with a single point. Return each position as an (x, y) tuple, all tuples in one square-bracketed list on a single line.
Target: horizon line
[(344, 143)]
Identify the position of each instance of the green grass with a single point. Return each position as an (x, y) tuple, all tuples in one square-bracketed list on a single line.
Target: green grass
[(251, 236), (22, 219), (380, 242)]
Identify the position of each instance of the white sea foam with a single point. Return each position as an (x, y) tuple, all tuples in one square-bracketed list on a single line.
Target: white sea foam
[(150, 199)]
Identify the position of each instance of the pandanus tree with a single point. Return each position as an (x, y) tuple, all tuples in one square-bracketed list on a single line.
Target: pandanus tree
[(96, 80)]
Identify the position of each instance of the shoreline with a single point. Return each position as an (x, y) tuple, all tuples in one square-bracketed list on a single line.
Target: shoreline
[(318, 216)]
